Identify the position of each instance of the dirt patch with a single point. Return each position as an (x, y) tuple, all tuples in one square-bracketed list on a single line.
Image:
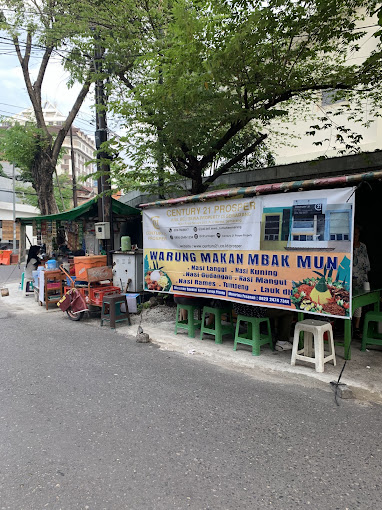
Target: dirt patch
[(160, 313)]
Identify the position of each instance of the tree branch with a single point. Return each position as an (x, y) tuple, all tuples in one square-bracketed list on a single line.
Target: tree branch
[(34, 95), (235, 160), (70, 118), (126, 81), (42, 70), (231, 132)]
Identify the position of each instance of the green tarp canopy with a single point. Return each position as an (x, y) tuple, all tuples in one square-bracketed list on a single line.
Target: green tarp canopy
[(87, 210)]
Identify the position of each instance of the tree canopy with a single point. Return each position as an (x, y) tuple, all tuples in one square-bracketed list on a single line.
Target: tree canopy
[(217, 77), (42, 30)]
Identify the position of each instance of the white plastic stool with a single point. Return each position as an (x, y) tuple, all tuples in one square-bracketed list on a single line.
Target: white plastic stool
[(26, 286), (313, 328)]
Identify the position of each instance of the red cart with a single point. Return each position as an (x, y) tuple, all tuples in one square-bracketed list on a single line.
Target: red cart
[(80, 296)]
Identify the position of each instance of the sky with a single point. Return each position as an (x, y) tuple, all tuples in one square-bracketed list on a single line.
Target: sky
[(14, 96)]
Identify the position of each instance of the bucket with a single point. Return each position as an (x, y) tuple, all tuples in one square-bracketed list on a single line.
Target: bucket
[(125, 243)]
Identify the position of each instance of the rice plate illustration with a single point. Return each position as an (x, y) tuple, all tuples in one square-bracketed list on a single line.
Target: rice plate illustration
[(321, 295), (157, 279)]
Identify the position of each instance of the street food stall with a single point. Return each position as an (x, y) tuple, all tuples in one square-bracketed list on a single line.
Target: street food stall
[(261, 246), (64, 234), (71, 245)]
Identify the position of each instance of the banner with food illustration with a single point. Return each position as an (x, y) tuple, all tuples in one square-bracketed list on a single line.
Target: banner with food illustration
[(291, 250)]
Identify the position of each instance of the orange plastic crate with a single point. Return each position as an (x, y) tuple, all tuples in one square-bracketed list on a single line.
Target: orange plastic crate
[(5, 257), (97, 294), (82, 264)]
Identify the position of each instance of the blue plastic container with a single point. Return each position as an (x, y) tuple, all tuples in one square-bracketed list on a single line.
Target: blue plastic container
[(51, 264)]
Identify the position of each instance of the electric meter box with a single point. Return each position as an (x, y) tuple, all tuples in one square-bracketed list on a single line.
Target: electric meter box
[(102, 230)]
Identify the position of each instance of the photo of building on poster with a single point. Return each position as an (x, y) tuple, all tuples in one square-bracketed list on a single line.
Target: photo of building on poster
[(313, 224), (291, 251)]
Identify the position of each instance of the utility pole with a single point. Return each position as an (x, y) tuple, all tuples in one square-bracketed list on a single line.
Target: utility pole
[(105, 213), (74, 180), (14, 208)]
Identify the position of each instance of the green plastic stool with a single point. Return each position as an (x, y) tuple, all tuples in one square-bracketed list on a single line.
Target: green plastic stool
[(370, 334), (253, 336), (190, 323), (217, 329)]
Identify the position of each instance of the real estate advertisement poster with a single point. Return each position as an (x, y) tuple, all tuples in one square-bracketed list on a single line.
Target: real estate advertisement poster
[(290, 250)]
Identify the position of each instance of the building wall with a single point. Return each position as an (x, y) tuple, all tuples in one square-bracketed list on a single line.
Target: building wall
[(83, 149), (6, 222), (83, 145), (293, 145)]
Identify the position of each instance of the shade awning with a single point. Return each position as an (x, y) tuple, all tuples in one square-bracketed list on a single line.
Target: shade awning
[(87, 210)]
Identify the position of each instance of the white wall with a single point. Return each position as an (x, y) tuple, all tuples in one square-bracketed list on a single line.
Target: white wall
[(292, 145)]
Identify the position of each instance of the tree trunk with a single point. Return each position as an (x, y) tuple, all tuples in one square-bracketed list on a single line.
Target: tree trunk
[(197, 182), (42, 172)]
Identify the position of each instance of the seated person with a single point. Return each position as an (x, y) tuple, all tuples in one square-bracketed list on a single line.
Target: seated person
[(188, 300), (33, 261), (361, 268)]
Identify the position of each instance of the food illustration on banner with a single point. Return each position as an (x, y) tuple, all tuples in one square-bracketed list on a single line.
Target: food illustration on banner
[(156, 279), (323, 295)]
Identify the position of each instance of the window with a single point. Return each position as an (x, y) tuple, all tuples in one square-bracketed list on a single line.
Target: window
[(303, 223), (302, 237), (339, 226), (272, 228), (328, 97)]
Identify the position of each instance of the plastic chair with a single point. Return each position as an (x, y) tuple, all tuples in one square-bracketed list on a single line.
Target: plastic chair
[(370, 334), (190, 323), (27, 285), (217, 329), (111, 309), (313, 329), (253, 336)]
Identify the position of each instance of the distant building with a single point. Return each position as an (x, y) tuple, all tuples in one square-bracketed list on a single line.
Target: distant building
[(82, 144), (6, 210)]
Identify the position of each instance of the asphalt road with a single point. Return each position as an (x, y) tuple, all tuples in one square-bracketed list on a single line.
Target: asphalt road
[(89, 419)]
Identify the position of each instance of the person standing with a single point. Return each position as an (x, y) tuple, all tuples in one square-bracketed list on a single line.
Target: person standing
[(361, 268)]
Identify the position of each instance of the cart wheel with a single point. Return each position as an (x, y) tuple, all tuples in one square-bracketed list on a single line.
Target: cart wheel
[(74, 316)]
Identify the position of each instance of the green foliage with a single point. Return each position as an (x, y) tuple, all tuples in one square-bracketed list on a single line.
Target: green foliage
[(217, 77), (29, 196), (39, 31), (20, 145)]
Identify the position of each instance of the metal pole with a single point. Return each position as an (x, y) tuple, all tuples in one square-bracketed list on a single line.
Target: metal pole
[(14, 208), (74, 180), (104, 185)]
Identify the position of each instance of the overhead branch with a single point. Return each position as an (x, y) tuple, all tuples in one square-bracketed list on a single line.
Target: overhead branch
[(43, 66), (219, 144), (191, 160), (236, 159), (126, 81), (34, 95)]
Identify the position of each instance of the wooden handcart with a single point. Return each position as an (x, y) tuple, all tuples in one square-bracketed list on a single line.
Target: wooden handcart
[(96, 284)]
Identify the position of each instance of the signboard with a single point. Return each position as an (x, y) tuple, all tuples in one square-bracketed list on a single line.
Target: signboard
[(256, 250)]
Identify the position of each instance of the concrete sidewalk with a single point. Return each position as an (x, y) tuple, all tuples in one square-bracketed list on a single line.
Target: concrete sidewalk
[(362, 374)]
